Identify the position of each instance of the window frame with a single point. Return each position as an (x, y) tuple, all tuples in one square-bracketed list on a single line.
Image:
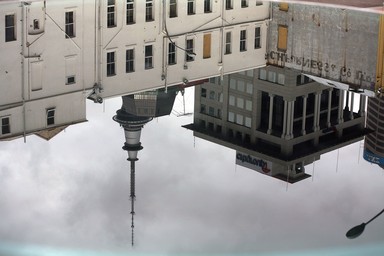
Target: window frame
[(191, 7), (10, 29), (172, 8), (190, 48), (257, 43), (244, 3), (148, 58), (149, 11), (172, 53), (228, 43), (50, 118), (111, 14), (111, 63), (130, 60), (5, 128), (243, 40), (70, 28), (130, 12), (207, 6), (228, 4)]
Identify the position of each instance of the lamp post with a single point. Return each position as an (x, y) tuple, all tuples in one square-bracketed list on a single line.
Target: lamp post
[(359, 229)]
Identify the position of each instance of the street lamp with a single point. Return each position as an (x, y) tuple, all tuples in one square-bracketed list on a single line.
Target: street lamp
[(359, 229)]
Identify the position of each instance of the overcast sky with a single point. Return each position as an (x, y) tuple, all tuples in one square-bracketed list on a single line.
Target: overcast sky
[(71, 195)]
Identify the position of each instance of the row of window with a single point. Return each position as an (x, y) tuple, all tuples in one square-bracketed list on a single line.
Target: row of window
[(129, 60), (6, 124), (241, 85), (173, 9), (239, 119), (240, 102), (243, 40), (271, 76), (212, 95), (10, 26), (211, 111)]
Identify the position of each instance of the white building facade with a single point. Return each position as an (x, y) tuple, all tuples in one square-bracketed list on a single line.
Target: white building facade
[(101, 49)]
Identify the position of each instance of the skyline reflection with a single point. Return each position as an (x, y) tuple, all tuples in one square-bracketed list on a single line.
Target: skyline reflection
[(271, 162)]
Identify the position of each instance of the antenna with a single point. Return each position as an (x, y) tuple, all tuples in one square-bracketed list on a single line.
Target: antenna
[(133, 198)]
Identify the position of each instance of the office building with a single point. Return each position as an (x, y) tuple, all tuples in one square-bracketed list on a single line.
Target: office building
[(276, 117)]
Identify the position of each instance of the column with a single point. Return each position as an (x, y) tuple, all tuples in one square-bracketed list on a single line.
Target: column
[(316, 114), (292, 118), (352, 102), (362, 106), (347, 101), (271, 96), (284, 119), (289, 117), (329, 107), (305, 97), (341, 107)]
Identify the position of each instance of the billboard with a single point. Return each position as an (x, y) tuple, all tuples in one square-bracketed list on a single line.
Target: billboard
[(373, 158), (254, 163)]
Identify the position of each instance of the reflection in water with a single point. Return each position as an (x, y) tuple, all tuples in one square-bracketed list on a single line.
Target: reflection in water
[(137, 110), (283, 90), (277, 120)]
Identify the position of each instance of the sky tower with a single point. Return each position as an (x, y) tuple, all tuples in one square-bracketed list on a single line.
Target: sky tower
[(137, 110), (132, 125)]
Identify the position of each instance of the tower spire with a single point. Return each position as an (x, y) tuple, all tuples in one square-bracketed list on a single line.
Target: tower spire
[(132, 125)]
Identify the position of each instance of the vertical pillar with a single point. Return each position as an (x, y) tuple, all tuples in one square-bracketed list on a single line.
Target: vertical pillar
[(316, 114), (284, 119), (305, 97), (329, 107), (292, 117), (341, 107), (347, 101), (362, 106), (352, 102), (271, 96), (289, 117)]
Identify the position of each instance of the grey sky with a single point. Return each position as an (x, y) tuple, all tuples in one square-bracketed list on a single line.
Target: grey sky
[(72, 193)]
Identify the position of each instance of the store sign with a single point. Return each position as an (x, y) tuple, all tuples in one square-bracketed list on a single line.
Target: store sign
[(254, 163), (372, 158)]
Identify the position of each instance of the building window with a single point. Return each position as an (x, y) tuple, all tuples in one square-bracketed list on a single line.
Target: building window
[(10, 31), (171, 54), (207, 46), (257, 38), (248, 122), (283, 7), (36, 24), (211, 111), (249, 88), (259, 3), (5, 125), (111, 64), (202, 109), (281, 79), (149, 10), (282, 38), (71, 80), (130, 60), (69, 25), (228, 4), (231, 100), (203, 92), (211, 95), (207, 6), (189, 50), (231, 117), (243, 40), (248, 105), (148, 56), (228, 40), (191, 7), (272, 76), (244, 3), (240, 103), (130, 12), (51, 116), (172, 8), (111, 20), (262, 74)]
